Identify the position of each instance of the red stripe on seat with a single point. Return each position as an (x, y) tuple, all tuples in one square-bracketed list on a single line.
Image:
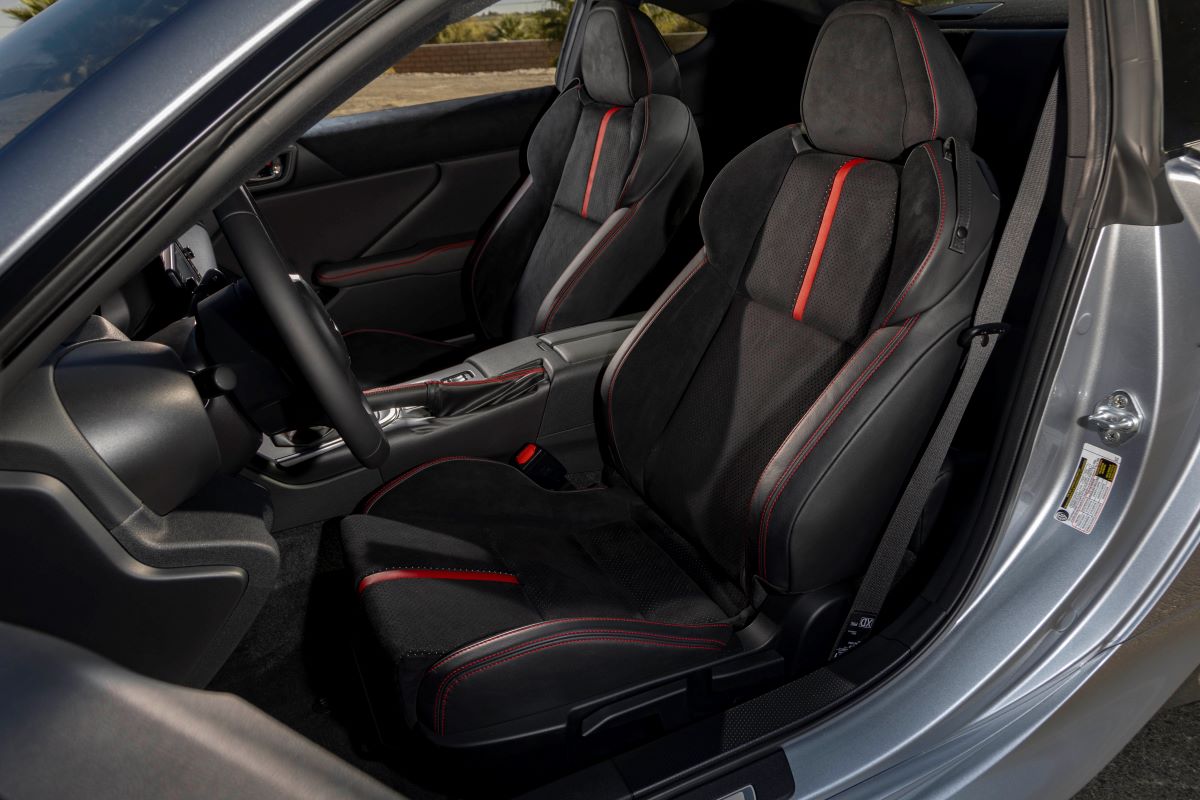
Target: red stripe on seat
[(587, 193), (435, 574), (814, 261)]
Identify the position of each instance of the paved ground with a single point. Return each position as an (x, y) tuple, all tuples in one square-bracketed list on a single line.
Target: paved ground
[(393, 91), (1162, 763)]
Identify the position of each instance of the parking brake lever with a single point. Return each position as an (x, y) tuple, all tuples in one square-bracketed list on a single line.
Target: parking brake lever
[(453, 398)]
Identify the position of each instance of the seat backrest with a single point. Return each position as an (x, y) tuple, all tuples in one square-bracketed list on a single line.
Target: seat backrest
[(773, 401), (613, 166)]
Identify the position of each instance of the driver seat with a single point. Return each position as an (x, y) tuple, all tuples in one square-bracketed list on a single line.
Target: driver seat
[(762, 418)]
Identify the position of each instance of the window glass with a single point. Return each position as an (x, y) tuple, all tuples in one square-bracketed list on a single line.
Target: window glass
[(1179, 22), (49, 48), (679, 32), (511, 45)]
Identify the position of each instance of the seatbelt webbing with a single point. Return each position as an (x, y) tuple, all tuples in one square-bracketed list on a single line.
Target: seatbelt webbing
[(889, 553)]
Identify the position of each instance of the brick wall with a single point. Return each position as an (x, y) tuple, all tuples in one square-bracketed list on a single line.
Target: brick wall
[(501, 56), (480, 56)]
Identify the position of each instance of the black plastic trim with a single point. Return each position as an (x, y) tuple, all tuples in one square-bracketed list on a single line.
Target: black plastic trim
[(138, 408), (62, 573)]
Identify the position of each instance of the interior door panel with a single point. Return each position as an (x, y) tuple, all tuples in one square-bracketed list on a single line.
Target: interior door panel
[(339, 220), (380, 209), (411, 293)]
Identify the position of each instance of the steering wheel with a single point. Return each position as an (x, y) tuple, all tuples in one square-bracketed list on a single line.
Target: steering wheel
[(305, 327)]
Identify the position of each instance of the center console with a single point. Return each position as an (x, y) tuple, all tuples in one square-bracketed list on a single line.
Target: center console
[(540, 389)]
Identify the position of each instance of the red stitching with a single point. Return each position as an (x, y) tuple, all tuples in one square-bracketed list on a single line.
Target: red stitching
[(804, 418), (390, 332), (637, 162), (928, 73), (645, 61), (473, 263), (637, 338), (446, 698), (533, 625), (394, 482), (587, 264), (341, 276), (646, 109), (508, 376), (817, 435), (937, 171), (569, 632), (434, 573), (559, 635)]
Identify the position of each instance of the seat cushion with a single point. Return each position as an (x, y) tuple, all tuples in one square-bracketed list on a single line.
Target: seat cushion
[(381, 357), (573, 580)]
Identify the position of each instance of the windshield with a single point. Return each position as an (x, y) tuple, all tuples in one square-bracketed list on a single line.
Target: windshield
[(43, 59)]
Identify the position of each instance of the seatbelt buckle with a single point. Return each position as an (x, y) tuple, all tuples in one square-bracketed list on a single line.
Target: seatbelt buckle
[(540, 467), (985, 331), (859, 626)]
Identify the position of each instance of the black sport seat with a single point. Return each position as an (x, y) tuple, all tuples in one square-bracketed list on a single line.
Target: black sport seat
[(613, 166), (763, 416)]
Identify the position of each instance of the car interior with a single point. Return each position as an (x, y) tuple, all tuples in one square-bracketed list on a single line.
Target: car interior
[(490, 442)]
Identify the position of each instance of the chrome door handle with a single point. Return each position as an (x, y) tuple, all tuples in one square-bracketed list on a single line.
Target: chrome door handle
[(277, 170)]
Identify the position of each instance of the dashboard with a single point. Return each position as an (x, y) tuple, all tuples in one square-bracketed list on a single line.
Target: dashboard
[(127, 528)]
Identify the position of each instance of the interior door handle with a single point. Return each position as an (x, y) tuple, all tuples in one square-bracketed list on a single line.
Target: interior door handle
[(276, 171)]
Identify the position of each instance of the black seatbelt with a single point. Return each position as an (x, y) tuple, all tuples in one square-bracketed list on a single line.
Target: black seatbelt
[(992, 301)]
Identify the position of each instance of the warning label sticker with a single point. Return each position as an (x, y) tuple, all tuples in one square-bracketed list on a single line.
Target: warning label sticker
[(1089, 489)]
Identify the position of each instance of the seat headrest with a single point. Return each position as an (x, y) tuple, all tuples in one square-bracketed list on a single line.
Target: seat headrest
[(881, 79), (624, 58)]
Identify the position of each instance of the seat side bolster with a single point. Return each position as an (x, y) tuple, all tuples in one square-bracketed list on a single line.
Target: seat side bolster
[(777, 479), (669, 143), (476, 685), (856, 452), (502, 248), (933, 269), (640, 389), (664, 181)]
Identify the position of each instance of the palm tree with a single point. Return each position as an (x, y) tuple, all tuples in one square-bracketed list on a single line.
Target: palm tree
[(552, 20), (508, 27), (28, 9)]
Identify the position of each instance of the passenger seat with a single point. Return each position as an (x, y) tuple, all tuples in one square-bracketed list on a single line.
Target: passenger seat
[(613, 166)]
